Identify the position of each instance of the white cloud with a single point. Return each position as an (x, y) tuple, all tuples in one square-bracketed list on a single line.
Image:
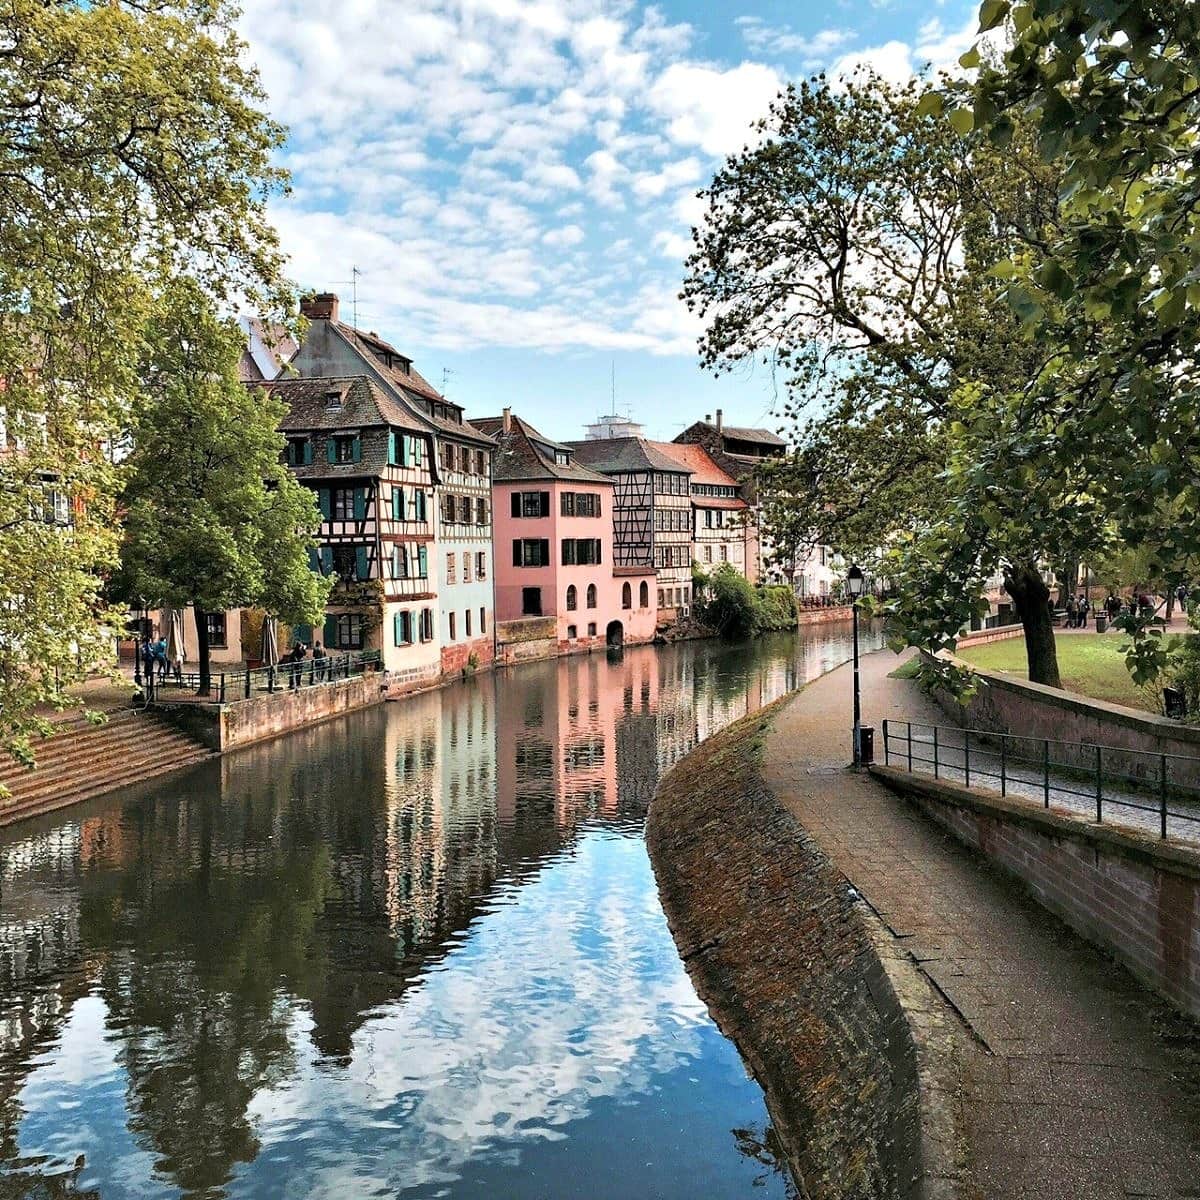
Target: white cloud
[(712, 108), (568, 235), (813, 50), (935, 49)]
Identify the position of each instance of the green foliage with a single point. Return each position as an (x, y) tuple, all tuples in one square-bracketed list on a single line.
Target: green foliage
[(132, 145), (731, 606), (775, 609), (213, 518)]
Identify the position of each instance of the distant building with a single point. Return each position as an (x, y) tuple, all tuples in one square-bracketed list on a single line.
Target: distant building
[(652, 517), (407, 483), (268, 349), (558, 585), (723, 526), (613, 426), (737, 449)]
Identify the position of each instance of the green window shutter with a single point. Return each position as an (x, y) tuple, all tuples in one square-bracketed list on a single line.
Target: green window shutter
[(356, 450), (422, 562), (323, 502), (397, 504), (360, 503), (422, 511), (396, 630), (418, 447), (331, 449), (327, 560), (308, 452), (362, 567), (330, 631), (404, 441), (391, 455), (314, 559)]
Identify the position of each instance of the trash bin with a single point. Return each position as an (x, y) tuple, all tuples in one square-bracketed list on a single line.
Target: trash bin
[(1101, 622), (1174, 703), (866, 744)]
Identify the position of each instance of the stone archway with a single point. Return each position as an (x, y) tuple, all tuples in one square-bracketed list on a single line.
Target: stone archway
[(614, 635)]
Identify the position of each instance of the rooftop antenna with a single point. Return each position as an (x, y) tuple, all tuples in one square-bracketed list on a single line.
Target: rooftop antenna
[(446, 373), (354, 274)]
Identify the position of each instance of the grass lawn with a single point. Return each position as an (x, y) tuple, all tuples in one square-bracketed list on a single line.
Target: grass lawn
[(1090, 663)]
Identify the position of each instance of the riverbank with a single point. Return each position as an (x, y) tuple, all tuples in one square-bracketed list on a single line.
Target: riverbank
[(1043, 1069)]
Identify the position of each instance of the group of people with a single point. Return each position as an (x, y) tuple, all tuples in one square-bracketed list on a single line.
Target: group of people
[(155, 663), (1079, 608), (293, 664)]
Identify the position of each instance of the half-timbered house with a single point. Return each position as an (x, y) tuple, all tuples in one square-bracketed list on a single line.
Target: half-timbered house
[(370, 464), (459, 549), (652, 514)]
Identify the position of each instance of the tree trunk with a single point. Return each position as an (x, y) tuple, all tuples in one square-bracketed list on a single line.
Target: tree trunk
[(203, 650), (1068, 578), (1031, 599)]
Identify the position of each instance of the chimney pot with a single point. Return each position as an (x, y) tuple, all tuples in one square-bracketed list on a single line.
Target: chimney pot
[(321, 307), (507, 420), (718, 420)]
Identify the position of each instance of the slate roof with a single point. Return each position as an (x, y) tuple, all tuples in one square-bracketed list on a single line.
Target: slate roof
[(615, 456), (743, 433), (519, 455), (418, 390), (694, 458), (363, 404)]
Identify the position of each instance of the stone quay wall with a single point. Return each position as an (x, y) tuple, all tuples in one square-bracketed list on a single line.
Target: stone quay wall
[(1135, 896), (777, 947)]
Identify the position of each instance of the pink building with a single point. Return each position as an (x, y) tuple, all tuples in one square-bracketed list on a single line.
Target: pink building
[(556, 587)]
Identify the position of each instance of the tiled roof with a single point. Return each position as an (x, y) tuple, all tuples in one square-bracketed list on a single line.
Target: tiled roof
[(362, 404), (743, 433), (248, 369), (617, 455), (695, 458), (418, 390), (519, 456)]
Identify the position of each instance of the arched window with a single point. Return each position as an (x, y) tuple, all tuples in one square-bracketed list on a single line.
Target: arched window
[(572, 599), (591, 595), (644, 595), (626, 596)]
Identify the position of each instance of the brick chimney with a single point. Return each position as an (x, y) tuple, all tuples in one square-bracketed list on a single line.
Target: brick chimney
[(507, 420), (718, 419), (321, 307)]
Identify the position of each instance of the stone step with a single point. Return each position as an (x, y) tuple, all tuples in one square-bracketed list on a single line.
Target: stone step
[(66, 748), (18, 810)]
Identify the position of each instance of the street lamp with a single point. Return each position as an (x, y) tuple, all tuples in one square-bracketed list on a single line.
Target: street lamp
[(855, 582)]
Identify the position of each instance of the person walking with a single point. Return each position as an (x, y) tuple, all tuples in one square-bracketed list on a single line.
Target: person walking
[(319, 662), (1072, 611), (295, 665)]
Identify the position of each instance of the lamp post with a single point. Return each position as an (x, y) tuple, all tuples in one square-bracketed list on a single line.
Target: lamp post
[(855, 582)]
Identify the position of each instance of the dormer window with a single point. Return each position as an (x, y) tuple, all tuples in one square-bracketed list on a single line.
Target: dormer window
[(333, 401), (562, 458)]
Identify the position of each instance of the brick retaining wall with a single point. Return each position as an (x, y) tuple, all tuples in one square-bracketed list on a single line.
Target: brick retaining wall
[(1136, 897)]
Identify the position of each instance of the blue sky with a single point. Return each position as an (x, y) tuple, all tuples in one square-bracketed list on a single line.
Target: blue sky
[(515, 179)]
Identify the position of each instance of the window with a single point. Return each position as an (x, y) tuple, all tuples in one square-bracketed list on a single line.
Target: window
[(218, 635), (422, 562), (562, 458), (348, 631), (333, 400), (453, 627), (531, 602), (660, 598), (466, 567), (400, 563), (572, 598), (482, 621), (56, 510), (447, 457), (579, 504), (449, 505), (464, 510), (480, 463), (402, 629), (572, 633), (345, 562), (531, 552), (724, 552), (398, 509), (531, 504), (481, 565), (299, 452), (451, 568), (591, 595), (581, 552), (467, 622), (426, 624), (591, 629), (481, 512), (626, 595), (566, 504), (644, 595), (708, 554), (344, 449), (422, 506), (342, 503)]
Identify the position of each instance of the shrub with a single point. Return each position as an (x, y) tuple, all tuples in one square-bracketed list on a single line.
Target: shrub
[(776, 608), (731, 606)]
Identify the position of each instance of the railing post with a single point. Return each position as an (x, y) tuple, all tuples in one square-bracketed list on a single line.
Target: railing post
[(966, 758), (1046, 772), (1099, 787), (1004, 764), (885, 741), (910, 747), (222, 687), (1162, 794), (271, 680), (247, 683), (935, 752)]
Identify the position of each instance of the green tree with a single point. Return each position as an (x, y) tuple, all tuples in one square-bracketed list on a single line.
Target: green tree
[(731, 604), (853, 248), (213, 518), (132, 142)]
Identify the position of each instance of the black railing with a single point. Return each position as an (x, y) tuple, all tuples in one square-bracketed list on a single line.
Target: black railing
[(1152, 791), (226, 687)]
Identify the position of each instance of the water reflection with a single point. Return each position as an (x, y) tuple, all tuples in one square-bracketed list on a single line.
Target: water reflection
[(415, 952)]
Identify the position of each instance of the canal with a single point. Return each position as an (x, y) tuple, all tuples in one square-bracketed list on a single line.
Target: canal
[(414, 952)]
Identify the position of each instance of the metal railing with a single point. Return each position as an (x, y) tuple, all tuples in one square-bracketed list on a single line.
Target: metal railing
[(228, 687), (1151, 791)]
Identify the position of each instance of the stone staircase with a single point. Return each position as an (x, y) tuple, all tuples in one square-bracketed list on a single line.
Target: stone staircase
[(80, 760)]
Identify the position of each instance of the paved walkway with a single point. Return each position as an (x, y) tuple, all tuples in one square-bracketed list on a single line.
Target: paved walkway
[(1078, 1083)]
